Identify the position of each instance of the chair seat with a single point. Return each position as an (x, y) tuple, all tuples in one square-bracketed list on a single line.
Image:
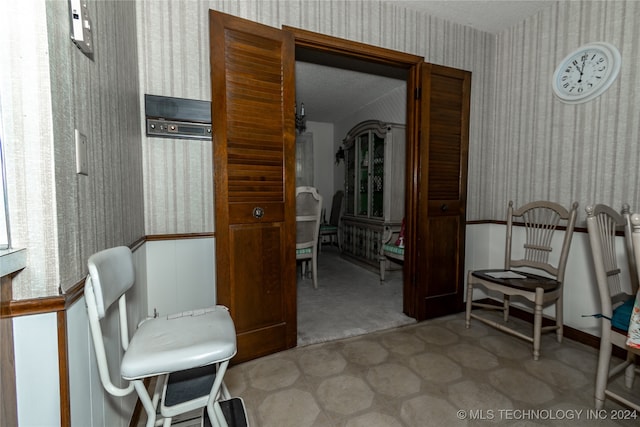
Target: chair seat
[(622, 315), (529, 281), (328, 229), (393, 249), (303, 251), (161, 346)]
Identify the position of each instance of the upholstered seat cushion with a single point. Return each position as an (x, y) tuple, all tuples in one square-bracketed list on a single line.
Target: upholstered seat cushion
[(327, 228), (393, 249), (622, 315), (303, 251), (161, 345)]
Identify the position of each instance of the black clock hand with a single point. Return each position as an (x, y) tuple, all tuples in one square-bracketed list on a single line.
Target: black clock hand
[(581, 71)]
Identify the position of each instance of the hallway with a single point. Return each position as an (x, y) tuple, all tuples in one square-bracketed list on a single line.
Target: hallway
[(350, 301)]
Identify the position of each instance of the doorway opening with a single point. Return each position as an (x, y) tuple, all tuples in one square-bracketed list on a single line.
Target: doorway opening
[(339, 92)]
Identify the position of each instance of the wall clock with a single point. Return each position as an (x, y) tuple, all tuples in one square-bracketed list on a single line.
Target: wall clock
[(586, 72)]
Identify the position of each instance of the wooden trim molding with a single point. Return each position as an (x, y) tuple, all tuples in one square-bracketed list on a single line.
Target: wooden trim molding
[(515, 224), (63, 369), (329, 44), (159, 237)]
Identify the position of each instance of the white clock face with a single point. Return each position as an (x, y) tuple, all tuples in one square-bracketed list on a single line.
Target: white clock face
[(586, 73)]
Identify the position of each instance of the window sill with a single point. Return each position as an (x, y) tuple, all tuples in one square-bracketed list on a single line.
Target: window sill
[(12, 260)]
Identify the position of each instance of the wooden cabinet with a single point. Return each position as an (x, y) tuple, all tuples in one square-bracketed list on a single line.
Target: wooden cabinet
[(374, 187)]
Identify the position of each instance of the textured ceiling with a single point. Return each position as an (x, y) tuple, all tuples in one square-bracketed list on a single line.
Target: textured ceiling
[(330, 93), (491, 16)]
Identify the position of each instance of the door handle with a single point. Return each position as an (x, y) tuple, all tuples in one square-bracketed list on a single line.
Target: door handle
[(444, 207), (258, 212)]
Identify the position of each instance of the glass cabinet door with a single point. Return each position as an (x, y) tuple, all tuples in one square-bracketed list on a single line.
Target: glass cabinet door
[(350, 180), (363, 174), (377, 176)]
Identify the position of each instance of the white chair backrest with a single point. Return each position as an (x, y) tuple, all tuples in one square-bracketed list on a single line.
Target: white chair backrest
[(112, 274), (308, 211)]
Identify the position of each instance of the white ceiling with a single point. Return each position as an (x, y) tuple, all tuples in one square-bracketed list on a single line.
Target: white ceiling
[(491, 16), (331, 93)]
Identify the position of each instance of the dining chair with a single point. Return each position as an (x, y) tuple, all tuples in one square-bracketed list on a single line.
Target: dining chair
[(308, 210), (534, 268), (187, 353), (331, 229), (617, 295), (392, 249)]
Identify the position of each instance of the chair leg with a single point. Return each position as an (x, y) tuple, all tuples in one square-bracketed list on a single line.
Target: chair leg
[(604, 358), (630, 371), (559, 319), (505, 307), (467, 317), (537, 323), (147, 404), (314, 270)]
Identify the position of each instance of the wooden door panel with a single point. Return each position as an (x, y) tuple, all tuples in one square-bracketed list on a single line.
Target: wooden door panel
[(443, 247), (257, 306), (442, 197), (252, 85)]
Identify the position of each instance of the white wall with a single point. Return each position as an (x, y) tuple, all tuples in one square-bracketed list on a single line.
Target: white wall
[(323, 161), (37, 383)]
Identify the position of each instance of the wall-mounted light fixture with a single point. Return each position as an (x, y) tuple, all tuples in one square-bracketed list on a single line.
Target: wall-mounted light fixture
[(301, 124)]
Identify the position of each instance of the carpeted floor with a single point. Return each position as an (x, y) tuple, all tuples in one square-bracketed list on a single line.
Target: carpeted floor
[(350, 301)]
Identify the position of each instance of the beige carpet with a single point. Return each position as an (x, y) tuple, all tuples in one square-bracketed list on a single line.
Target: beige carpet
[(434, 373), (350, 301)]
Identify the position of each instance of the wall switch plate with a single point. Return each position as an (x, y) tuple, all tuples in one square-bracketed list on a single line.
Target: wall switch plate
[(81, 27), (82, 161)]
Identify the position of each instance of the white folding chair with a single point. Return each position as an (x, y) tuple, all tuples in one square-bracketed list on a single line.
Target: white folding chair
[(188, 352)]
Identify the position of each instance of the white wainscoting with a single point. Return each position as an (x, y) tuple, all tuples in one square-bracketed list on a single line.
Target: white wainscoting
[(37, 382), (180, 275)]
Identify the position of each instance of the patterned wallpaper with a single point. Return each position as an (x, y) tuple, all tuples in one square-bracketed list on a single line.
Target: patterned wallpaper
[(524, 143), (173, 48), (28, 141), (543, 148), (61, 217)]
